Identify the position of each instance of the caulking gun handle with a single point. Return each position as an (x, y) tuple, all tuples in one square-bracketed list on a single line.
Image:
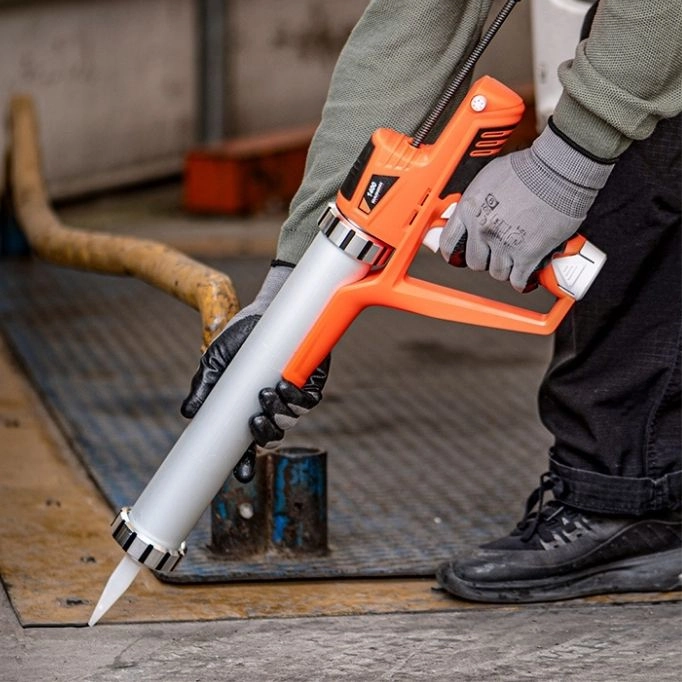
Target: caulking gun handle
[(572, 269), (569, 271)]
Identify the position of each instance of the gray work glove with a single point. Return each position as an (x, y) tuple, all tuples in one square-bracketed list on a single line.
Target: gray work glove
[(281, 405), (523, 206)]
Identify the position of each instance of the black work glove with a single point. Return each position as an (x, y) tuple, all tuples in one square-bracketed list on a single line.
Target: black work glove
[(282, 404)]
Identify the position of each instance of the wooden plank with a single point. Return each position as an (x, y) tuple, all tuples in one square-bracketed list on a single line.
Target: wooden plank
[(56, 552)]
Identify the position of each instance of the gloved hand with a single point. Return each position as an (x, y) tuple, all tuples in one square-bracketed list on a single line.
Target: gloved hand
[(281, 405), (522, 206)]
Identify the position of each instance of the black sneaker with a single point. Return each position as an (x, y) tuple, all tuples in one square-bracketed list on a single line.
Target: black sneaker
[(559, 552)]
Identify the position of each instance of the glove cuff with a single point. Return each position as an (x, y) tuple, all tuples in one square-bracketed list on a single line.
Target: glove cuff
[(564, 159), (273, 282)]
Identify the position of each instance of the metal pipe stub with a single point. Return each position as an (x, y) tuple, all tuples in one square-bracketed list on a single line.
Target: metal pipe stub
[(142, 549), (281, 511), (298, 502)]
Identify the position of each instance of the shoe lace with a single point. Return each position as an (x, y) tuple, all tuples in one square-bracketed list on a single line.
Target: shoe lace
[(538, 520)]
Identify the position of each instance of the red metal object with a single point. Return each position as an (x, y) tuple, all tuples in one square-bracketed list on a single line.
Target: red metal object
[(246, 175)]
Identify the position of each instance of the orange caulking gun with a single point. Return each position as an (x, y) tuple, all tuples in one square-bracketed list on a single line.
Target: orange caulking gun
[(399, 188)]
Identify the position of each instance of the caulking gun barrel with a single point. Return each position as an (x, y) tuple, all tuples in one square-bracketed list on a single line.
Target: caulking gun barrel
[(153, 531), (212, 444)]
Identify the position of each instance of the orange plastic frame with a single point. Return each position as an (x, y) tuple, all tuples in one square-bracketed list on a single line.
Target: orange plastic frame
[(409, 209)]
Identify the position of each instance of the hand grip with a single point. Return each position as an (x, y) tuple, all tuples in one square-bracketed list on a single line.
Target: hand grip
[(569, 271), (396, 192)]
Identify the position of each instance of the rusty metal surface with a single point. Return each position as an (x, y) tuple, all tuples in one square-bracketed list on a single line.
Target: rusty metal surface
[(240, 516), (298, 490), (209, 291)]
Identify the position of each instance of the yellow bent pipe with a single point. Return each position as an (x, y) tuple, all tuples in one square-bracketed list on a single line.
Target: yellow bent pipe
[(207, 290)]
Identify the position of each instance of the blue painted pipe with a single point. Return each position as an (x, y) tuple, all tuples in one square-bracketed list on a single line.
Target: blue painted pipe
[(283, 509)]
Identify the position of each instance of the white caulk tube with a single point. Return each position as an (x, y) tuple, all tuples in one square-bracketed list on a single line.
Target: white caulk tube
[(153, 531)]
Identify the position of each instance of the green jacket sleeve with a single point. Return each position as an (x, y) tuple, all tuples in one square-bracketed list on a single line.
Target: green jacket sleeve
[(394, 65), (624, 78)]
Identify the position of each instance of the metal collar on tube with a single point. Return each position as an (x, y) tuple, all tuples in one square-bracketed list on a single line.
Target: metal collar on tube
[(351, 239), (146, 552)]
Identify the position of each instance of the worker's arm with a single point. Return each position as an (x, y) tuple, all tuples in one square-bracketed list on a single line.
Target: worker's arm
[(625, 77), (392, 69)]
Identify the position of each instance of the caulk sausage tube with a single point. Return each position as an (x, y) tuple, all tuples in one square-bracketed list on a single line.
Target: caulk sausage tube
[(153, 531), (217, 437)]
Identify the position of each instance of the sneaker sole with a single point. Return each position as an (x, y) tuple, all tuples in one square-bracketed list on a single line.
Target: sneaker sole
[(661, 572)]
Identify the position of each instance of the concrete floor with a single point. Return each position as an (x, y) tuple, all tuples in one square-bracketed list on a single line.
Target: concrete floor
[(635, 641), (588, 643)]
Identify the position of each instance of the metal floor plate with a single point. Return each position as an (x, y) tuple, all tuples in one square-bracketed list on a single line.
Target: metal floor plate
[(431, 428)]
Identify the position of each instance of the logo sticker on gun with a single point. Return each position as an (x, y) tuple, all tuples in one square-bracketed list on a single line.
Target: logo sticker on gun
[(375, 192)]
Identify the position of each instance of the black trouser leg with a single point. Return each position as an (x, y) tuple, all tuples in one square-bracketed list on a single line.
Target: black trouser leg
[(611, 396)]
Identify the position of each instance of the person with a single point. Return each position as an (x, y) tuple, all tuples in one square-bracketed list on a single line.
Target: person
[(606, 516)]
